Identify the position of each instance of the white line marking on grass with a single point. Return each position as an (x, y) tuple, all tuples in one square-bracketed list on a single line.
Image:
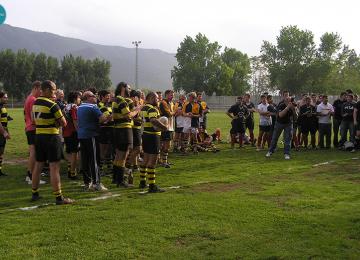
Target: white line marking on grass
[(105, 197), (102, 197), (35, 207), (323, 163)]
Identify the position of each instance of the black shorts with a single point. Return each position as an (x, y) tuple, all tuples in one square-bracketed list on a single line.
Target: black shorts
[(306, 129), (151, 143), (48, 148), (237, 127), (71, 143), (265, 128), (250, 123), (30, 136), (2, 141), (106, 135), (136, 137), (179, 130), (166, 136), (123, 139)]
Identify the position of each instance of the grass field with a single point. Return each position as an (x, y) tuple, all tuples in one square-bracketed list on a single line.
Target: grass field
[(235, 204)]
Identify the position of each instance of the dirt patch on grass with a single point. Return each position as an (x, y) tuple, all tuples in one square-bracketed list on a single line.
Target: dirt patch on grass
[(227, 187), (16, 161), (347, 171)]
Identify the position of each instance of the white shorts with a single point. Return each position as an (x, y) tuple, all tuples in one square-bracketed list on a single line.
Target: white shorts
[(190, 130)]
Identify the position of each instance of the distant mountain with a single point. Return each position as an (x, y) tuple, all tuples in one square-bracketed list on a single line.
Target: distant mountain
[(154, 65)]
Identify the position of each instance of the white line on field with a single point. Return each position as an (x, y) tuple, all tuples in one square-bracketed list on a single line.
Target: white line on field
[(102, 197)]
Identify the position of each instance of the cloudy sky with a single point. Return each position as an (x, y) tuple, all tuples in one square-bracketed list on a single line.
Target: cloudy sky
[(163, 24)]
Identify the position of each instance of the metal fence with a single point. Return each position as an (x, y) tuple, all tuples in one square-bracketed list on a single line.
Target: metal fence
[(224, 102)]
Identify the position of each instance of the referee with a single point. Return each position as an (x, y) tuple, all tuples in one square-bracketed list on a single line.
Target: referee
[(48, 117)]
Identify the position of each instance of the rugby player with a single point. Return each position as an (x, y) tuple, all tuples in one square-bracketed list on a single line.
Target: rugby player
[(48, 117)]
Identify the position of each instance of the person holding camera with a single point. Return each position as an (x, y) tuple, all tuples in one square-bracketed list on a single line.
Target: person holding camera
[(285, 112)]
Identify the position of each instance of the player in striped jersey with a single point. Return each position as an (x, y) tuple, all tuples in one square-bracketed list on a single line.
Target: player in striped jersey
[(48, 117), (150, 141), (106, 131), (132, 162), (122, 133), (4, 133)]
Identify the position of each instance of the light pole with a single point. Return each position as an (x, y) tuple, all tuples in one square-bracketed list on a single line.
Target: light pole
[(136, 43)]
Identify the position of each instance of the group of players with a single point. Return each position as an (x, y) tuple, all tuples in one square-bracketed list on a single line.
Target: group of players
[(127, 131), (120, 132), (298, 119)]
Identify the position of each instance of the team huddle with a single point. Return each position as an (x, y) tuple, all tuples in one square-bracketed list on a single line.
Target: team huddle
[(117, 133), (297, 119)]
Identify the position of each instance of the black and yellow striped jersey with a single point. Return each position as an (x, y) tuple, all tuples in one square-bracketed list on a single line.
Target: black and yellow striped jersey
[(121, 110), (105, 110), (148, 112), (166, 108), (4, 116), (46, 112)]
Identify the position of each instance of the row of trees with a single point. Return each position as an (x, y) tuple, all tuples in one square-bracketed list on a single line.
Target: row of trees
[(19, 69), (203, 67), (294, 63), (297, 64)]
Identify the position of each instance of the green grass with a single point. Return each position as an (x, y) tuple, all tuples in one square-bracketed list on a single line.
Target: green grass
[(235, 204)]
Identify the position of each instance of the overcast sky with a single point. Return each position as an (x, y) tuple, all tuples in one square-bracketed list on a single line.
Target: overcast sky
[(163, 24)]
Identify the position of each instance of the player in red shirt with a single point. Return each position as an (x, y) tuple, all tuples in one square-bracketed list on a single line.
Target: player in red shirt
[(70, 133), (30, 127)]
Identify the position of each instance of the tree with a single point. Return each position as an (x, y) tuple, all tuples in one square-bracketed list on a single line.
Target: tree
[(202, 67), (260, 81), (24, 71), (289, 60), (40, 68), (240, 63)]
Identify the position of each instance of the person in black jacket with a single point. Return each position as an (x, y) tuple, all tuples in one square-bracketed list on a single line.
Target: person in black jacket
[(347, 123), (338, 117)]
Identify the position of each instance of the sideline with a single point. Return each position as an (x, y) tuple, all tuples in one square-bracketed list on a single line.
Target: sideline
[(101, 197)]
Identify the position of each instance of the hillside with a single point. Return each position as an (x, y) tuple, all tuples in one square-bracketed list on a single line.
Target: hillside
[(154, 65)]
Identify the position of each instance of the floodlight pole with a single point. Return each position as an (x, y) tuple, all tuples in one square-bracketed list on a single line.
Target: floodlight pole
[(136, 43)]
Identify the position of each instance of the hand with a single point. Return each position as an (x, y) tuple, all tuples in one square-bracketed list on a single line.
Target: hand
[(290, 105), (6, 135)]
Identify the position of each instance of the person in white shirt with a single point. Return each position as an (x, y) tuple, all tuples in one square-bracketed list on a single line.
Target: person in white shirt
[(265, 123), (325, 111)]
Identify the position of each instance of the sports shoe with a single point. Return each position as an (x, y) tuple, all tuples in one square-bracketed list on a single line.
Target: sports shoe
[(143, 185), (27, 179), (35, 197), (64, 201), (268, 154), (155, 189), (3, 174), (287, 157), (258, 149), (99, 187), (166, 165), (87, 187), (30, 181)]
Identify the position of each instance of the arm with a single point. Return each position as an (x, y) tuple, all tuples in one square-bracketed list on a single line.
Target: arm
[(4, 132), (286, 110), (158, 124), (355, 116)]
